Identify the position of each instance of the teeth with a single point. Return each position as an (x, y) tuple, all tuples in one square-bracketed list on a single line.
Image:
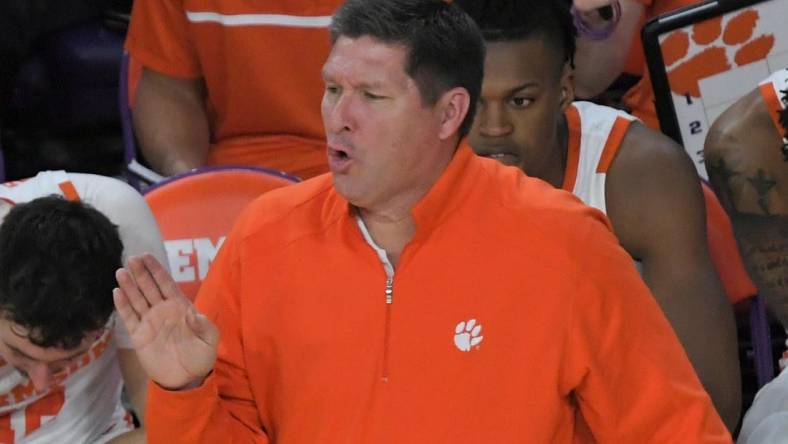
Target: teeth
[(496, 155)]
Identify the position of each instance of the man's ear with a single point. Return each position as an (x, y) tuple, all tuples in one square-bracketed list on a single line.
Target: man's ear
[(453, 106), (567, 84)]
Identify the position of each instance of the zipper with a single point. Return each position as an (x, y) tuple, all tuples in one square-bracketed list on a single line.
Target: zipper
[(387, 334), (388, 268)]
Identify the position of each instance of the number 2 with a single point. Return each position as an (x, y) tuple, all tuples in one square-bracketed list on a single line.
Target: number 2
[(695, 127)]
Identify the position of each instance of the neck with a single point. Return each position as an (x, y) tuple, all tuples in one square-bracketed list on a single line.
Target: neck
[(391, 225), (557, 164), (391, 231)]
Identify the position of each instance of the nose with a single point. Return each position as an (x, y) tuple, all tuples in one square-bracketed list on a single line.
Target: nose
[(338, 114), (41, 376), (493, 121)]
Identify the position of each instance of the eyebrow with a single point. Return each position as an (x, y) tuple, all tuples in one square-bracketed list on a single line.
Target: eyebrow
[(521, 87), (363, 85)]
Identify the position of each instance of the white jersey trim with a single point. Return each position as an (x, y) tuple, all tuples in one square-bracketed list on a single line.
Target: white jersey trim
[(260, 19), (596, 124)]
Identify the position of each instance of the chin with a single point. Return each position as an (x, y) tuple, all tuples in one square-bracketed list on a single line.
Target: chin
[(346, 188)]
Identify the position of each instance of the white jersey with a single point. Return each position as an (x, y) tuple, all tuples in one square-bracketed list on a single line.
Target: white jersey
[(84, 405), (595, 135), (774, 90)]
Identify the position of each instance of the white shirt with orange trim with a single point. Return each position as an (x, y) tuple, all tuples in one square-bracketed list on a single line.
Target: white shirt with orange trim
[(596, 133), (774, 90), (85, 405)]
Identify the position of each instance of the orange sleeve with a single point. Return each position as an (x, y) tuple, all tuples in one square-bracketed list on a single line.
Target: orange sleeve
[(222, 410), (631, 377), (724, 251), (158, 38)]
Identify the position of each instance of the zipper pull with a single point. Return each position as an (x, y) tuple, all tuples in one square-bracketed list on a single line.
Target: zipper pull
[(389, 290)]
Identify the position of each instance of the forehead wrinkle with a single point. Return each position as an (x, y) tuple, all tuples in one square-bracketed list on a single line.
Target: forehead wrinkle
[(367, 57)]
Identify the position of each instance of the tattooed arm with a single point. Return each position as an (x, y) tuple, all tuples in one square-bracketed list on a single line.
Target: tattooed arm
[(749, 173), (764, 244)]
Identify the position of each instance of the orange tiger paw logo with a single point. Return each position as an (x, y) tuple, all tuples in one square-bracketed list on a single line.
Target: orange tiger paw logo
[(718, 48)]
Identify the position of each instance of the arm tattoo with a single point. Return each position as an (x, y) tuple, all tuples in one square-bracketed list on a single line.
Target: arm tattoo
[(762, 184), (720, 175), (764, 246)]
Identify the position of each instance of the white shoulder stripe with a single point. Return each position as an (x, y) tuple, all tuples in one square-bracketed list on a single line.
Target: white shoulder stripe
[(260, 19)]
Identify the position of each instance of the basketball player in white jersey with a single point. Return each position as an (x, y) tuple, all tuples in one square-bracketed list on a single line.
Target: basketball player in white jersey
[(747, 161), (63, 356), (645, 183)]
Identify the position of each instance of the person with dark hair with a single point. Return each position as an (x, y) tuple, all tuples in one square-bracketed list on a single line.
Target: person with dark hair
[(643, 181), (746, 154), (419, 293), (57, 309), (64, 358)]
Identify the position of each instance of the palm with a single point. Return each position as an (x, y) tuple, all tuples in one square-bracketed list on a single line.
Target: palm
[(169, 349), (175, 345)]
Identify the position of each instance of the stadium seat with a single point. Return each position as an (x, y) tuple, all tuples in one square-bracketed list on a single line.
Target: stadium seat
[(196, 210)]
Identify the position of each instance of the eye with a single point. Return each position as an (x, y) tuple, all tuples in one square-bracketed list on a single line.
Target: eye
[(371, 96), (332, 89), (520, 102)]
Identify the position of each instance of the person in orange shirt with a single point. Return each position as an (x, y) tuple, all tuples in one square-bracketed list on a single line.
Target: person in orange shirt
[(230, 82), (419, 293), (643, 181)]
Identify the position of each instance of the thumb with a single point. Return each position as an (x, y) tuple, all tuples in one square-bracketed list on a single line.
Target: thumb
[(202, 327)]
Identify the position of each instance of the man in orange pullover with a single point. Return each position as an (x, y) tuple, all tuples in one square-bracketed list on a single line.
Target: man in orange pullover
[(419, 293)]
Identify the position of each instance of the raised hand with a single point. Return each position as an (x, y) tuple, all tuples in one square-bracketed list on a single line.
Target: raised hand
[(175, 344)]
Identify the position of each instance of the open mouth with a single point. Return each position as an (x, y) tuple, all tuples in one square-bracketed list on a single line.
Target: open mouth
[(338, 153), (339, 160), (498, 156), (504, 157)]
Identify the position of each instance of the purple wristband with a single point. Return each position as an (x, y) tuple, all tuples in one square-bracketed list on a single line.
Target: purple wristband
[(591, 33)]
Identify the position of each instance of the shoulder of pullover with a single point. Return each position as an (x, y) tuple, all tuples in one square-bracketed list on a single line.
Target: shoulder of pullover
[(563, 227), (287, 213)]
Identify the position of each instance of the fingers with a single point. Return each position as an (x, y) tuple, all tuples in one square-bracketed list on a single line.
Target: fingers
[(166, 284), (136, 300), (125, 310), (144, 279)]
